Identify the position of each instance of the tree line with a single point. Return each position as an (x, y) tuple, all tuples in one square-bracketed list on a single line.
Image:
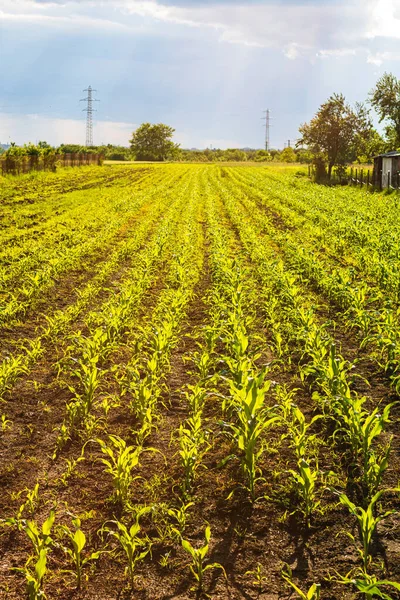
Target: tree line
[(339, 134), (43, 149)]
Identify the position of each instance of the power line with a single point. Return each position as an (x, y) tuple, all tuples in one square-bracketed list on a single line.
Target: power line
[(89, 114), (267, 120)]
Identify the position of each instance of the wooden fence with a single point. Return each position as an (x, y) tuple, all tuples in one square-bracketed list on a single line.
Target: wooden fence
[(352, 176), (15, 165)]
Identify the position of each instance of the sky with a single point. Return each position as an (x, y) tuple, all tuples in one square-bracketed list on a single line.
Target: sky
[(208, 68)]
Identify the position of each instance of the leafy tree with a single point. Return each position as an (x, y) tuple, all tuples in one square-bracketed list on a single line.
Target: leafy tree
[(154, 142), (336, 132), (288, 155), (235, 155), (273, 152), (304, 156), (262, 156), (370, 146), (71, 148), (385, 98)]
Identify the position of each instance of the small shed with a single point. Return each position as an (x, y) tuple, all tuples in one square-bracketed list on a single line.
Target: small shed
[(387, 170)]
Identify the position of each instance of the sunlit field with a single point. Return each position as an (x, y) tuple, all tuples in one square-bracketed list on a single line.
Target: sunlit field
[(199, 385)]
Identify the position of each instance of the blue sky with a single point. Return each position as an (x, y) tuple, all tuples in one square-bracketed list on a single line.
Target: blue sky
[(207, 67)]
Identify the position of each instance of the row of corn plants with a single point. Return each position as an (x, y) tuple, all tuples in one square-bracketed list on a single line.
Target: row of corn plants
[(356, 426), (79, 237), (59, 322), (83, 366), (367, 310)]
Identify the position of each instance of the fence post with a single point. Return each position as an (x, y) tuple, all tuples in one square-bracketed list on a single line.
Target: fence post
[(356, 176), (368, 179), (361, 177)]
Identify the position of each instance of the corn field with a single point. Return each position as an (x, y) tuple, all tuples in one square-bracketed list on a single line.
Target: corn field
[(199, 386)]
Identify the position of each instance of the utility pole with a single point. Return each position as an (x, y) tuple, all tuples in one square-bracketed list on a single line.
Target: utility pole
[(89, 114), (267, 120)]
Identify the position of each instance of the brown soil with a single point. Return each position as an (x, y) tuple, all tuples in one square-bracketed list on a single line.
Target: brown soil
[(269, 532)]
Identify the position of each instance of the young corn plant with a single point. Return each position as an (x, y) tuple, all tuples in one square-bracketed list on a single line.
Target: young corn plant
[(378, 462), (369, 585), (89, 376), (298, 431), (312, 594), (135, 547), (5, 423), (180, 516), (254, 419), (259, 579), (42, 543), (196, 397), (198, 565), (306, 479), (31, 502), (120, 462), (193, 441), (372, 587), (34, 579), (360, 428), (40, 537), (10, 369), (367, 523), (78, 541)]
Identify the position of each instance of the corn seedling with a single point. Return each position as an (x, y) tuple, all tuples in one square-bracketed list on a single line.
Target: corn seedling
[(180, 516), (312, 594), (306, 479), (40, 538), (198, 556), (298, 431), (31, 502), (253, 421), (135, 547), (193, 445), (369, 585), (121, 461), (71, 465), (259, 579), (10, 369), (34, 578), (5, 423), (367, 523), (78, 542)]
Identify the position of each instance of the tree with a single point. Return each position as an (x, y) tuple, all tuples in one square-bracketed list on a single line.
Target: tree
[(385, 98), (336, 132), (234, 154), (262, 156), (370, 146), (288, 155), (153, 142)]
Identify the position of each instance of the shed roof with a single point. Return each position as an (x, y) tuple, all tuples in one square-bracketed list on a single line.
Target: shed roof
[(391, 154)]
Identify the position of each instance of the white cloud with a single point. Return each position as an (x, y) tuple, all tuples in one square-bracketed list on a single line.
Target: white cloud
[(380, 57), (293, 50), (312, 30), (383, 19), (32, 127), (337, 52)]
